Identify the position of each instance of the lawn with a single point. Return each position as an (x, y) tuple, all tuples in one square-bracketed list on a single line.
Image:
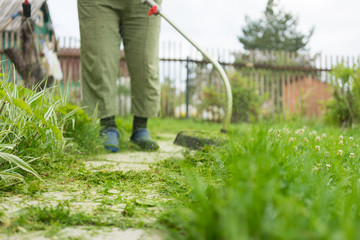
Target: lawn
[(297, 180)]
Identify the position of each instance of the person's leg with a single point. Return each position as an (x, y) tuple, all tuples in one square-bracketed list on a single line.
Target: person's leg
[(100, 54), (141, 41), (100, 57), (140, 34)]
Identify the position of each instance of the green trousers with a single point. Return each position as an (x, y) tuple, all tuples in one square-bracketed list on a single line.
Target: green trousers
[(103, 24)]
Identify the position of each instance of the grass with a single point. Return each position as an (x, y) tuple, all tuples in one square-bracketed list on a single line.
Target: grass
[(268, 181)]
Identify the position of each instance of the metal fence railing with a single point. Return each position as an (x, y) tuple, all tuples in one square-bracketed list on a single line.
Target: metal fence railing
[(290, 83)]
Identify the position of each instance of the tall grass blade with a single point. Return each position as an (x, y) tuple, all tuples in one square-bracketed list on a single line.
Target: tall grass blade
[(19, 163)]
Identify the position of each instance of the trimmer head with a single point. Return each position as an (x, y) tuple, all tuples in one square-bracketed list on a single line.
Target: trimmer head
[(196, 140)]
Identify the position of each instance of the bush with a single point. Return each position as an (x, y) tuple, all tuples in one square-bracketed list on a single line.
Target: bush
[(246, 102), (344, 109)]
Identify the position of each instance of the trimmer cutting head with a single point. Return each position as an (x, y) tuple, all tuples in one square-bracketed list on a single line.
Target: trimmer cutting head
[(196, 140)]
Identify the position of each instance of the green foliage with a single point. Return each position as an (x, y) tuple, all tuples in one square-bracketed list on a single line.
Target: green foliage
[(344, 109), (246, 102), (38, 124), (81, 130), (28, 127), (272, 184), (213, 102), (277, 30)]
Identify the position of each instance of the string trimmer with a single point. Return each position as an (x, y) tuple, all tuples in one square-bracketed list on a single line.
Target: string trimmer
[(195, 140)]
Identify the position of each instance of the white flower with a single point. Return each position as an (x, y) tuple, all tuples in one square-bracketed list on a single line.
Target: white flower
[(291, 139), (323, 135), (341, 137), (317, 139), (340, 152), (328, 165), (313, 133), (295, 148), (317, 148), (306, 139), (341, 143), (351, 138), (352, 155), (300, 131)]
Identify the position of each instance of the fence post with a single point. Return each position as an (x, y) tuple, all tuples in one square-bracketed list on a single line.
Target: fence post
[(187, 85)]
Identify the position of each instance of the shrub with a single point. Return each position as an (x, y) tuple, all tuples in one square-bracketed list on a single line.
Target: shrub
[(246, 102), (344, 109)]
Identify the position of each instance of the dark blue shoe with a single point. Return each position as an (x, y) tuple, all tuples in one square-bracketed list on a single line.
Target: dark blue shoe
[(110, 137), (141, 137)]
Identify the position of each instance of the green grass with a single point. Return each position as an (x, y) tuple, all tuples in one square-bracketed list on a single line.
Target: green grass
[(272, 184), (266, 182), (296, 180)]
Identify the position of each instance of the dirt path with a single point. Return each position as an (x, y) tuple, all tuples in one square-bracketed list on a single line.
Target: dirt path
[(134, 161)]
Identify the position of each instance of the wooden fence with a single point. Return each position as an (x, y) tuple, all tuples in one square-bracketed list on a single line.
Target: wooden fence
[(289, 83)]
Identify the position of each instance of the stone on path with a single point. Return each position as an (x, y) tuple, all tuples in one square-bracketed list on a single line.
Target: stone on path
[(135, 160)]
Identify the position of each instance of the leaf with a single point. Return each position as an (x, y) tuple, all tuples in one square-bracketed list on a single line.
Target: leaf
[(19, 163), (5, 176), (7, 146), (50, 111), (22, 105), (3, 95), (35, 97), (70, 114), (56, 131)]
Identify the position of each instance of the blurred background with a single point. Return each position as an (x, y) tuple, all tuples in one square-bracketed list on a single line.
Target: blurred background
[(279, 55)]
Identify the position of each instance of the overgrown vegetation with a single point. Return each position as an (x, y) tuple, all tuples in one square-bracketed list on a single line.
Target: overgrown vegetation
[(36, 125)]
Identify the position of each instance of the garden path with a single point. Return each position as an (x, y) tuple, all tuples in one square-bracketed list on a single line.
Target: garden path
[(137, 161), (124, 161)]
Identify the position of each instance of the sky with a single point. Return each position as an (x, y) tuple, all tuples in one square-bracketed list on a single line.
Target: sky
[(217, 24)]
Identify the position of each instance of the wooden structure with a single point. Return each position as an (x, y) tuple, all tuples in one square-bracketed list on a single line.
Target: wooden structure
[(20, 39)]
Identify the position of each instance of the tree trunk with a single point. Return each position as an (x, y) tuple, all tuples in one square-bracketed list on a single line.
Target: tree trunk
[(27, 62)]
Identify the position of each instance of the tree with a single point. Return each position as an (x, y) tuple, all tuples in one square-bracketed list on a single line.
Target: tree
[(276, 30)]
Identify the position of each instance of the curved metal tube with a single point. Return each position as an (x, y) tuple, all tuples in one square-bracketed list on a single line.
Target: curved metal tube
[(215, 63)]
